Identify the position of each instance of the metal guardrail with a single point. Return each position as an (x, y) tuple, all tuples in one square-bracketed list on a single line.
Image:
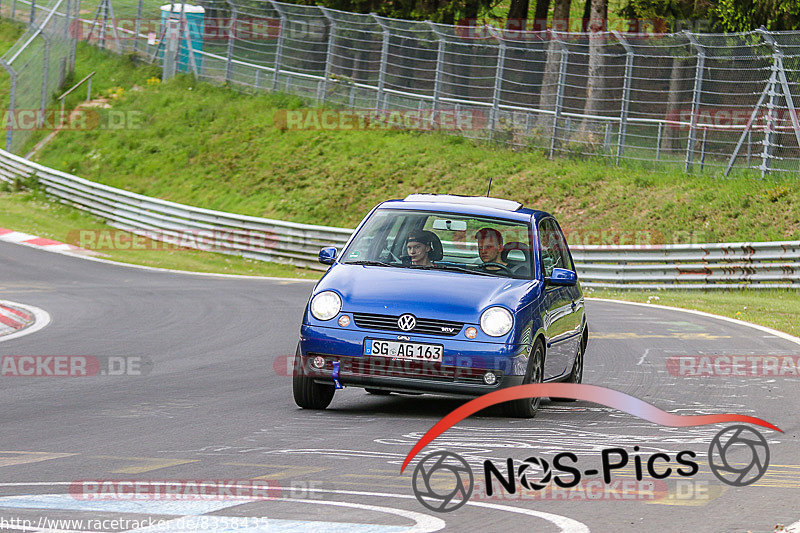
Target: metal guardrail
[(689, 266)]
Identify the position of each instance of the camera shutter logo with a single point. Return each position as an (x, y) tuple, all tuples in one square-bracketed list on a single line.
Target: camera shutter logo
[(442, 481), (406, 322), (526, 475), (738, 455)]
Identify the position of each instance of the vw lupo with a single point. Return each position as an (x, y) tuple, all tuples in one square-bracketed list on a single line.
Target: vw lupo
[(453, 324)]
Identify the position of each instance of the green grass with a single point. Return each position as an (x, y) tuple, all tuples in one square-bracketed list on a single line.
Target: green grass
[(31, 212), (213, 147), (774, 308)]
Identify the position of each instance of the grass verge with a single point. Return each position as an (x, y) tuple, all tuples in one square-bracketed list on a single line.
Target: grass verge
[(32, 212)]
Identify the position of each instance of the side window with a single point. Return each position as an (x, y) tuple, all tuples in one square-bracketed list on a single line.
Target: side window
[(548, 247), (553, 247)]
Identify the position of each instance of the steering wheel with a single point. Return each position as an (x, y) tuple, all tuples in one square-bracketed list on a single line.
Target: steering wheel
[(497, 267), (386, 249)]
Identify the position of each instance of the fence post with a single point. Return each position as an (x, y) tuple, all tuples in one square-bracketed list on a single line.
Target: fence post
[(562, 76), (229, 52), (498, 78), (45, 75), (381, 98), (13, 9), (12, 98), (33, 13), (777, 62), (329, 51), (698, 88), (626, 94), (437, 84), (278, 46), (75, 19), (137, 27)]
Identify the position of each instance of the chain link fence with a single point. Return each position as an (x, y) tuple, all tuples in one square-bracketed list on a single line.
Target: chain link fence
[(726, 101), (37, 65)]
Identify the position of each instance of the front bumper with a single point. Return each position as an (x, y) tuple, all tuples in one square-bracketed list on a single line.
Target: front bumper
[(464, 362)]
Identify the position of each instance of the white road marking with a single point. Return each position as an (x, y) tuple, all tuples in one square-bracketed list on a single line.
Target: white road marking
[(794, 528), (41, 317), (566, 524), (643, 356), (775, 332)]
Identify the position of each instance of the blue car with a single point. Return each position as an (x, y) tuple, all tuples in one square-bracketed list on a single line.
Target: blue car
[(444, 294)]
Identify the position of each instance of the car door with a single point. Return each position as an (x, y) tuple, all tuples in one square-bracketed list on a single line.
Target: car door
[(557, 308), (574, 298)]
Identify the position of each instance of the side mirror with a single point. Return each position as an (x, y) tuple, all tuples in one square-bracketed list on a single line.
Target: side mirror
[(327, 255), (562, 276)]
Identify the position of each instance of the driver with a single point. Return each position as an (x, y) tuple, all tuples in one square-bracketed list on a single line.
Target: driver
[(490, 245), (418, 245)]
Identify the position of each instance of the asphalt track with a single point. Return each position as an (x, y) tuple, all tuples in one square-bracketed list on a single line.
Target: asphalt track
[(213, 407)]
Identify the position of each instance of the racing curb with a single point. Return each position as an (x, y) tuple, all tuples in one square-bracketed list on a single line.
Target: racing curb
[(18, 319), (49, 245), (42, 243)]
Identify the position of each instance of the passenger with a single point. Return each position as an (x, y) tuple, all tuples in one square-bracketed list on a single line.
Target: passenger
[(490, 245), (418, 245)]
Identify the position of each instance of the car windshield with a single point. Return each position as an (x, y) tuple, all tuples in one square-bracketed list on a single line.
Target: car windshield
[(466, 244)]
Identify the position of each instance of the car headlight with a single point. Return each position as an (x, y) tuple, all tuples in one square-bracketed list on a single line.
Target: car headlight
[(496, 321), (326, 305)]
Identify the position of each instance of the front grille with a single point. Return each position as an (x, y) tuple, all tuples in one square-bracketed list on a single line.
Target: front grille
[(426, 326)]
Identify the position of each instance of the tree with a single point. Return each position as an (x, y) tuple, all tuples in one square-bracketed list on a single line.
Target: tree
[(518, 14), (746, 15), (548, 93), (594, 78)]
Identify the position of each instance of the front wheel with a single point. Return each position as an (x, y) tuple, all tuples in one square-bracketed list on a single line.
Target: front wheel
[(307, 393), (576, 376), (528, 407)]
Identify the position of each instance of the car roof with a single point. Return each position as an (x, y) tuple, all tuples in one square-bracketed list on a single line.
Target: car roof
[(466, 205)]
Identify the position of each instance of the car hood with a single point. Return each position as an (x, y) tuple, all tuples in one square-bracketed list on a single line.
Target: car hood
[(424, 293)]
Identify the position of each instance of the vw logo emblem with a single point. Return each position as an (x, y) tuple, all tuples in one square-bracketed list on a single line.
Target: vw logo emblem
[(406, 322)]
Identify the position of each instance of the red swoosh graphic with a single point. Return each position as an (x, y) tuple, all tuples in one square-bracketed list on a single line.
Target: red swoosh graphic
[(590, 393)]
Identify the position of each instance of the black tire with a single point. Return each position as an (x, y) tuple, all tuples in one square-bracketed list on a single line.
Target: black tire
[(379, 392), (576, 375), (307, 394), (528, 407)]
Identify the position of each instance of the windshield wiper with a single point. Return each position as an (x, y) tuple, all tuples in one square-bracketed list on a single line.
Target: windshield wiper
[(467, 270), (371, 263)]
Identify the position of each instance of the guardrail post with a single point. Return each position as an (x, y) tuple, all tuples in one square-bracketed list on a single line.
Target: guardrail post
[(698, 88), (437, 84), (229, 52), (498, 78), (380, 102), (328, 52), (13, 9), (279, 45), (562, 76), (45, 75), (33, 13), (626, 94)]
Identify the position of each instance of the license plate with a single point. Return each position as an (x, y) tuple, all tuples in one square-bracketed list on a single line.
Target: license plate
[(403, 350)]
